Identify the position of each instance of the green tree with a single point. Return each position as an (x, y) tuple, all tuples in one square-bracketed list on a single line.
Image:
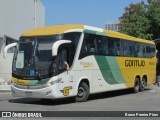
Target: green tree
[(142, 20), (153, 14)]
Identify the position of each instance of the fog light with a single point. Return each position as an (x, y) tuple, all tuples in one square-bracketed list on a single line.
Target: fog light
[(47, 93)]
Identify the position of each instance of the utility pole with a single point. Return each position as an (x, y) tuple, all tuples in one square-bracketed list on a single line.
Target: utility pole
[(35, 13)]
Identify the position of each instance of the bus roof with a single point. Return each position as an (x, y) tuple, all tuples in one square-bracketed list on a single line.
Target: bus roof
[(51, 30), (59, 29)]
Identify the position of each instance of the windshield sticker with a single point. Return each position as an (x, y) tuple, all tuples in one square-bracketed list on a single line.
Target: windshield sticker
[(44, 46), (32, 72), (20, 60), (27, 40)]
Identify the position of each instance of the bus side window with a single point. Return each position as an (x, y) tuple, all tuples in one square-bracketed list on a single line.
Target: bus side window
[(131, 48), (110, 47), (62, 59), (74, 37), (152, 51), (99, 50), (140, 50), (105, 47), (117, 47), (84, 48), (136, 49), (148, 51), (102, 46), (125, 48), (144, 51), (88, 46)]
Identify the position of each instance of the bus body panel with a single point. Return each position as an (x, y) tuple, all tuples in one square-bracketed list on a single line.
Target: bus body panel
[(133, 67), (103, 72)]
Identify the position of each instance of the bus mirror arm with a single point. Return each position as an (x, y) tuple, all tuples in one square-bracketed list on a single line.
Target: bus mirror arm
[(57, 44), (6, 49)]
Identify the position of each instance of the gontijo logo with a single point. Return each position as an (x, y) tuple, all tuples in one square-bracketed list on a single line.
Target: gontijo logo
[(134, 63)]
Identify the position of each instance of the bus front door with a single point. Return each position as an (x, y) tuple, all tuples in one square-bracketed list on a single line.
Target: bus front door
[(67, 76), (66, 83)]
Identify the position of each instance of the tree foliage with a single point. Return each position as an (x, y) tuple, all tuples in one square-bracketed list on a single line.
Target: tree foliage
[(142, 20)]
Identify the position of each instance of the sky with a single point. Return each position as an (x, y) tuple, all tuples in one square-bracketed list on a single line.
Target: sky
[(89, 12)]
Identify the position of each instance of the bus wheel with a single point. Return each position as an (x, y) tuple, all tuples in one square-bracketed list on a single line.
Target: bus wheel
[(83, 92), (142, 84), (136, 86)]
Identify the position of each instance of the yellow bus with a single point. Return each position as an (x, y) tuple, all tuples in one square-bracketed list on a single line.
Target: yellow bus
[(77, 60)]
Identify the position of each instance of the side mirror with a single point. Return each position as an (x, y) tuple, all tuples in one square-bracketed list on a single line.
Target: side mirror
[(57, 44), (6, 49)]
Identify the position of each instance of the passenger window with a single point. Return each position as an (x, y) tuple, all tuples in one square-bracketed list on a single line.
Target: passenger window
[(62, 59), (148, 51), (102, 46), (131, 49), (117, 47), (153, 50), (125, 48), (140, 50), (144, 51), (105, 47), (89, 46), (111, 47), (74, 37), (136, 49)]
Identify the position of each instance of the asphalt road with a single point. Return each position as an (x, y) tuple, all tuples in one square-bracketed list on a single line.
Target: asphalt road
[(123, 100)]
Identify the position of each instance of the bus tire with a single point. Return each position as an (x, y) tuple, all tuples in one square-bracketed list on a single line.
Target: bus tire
[(136, 86), (142, 84), (83, 93)]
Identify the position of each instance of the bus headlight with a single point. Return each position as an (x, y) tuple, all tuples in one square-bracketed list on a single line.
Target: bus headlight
[(51, 83)]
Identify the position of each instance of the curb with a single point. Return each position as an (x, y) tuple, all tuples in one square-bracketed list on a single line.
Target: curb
[(5, 88)]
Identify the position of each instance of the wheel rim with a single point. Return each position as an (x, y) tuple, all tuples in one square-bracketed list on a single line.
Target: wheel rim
[(143, 83), (137, 85), (81, 92)]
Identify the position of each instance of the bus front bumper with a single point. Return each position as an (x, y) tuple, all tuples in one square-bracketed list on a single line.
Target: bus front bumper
[(33, 91)]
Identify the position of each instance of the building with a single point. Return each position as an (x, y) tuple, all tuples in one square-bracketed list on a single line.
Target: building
[(17, 16), (114, 26)]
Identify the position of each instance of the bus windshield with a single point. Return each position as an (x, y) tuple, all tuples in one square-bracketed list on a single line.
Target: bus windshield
[(33, 58), (34, 50), (34, 53), (43, 53)]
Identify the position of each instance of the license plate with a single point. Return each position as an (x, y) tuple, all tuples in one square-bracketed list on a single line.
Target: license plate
[(28, 93)]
